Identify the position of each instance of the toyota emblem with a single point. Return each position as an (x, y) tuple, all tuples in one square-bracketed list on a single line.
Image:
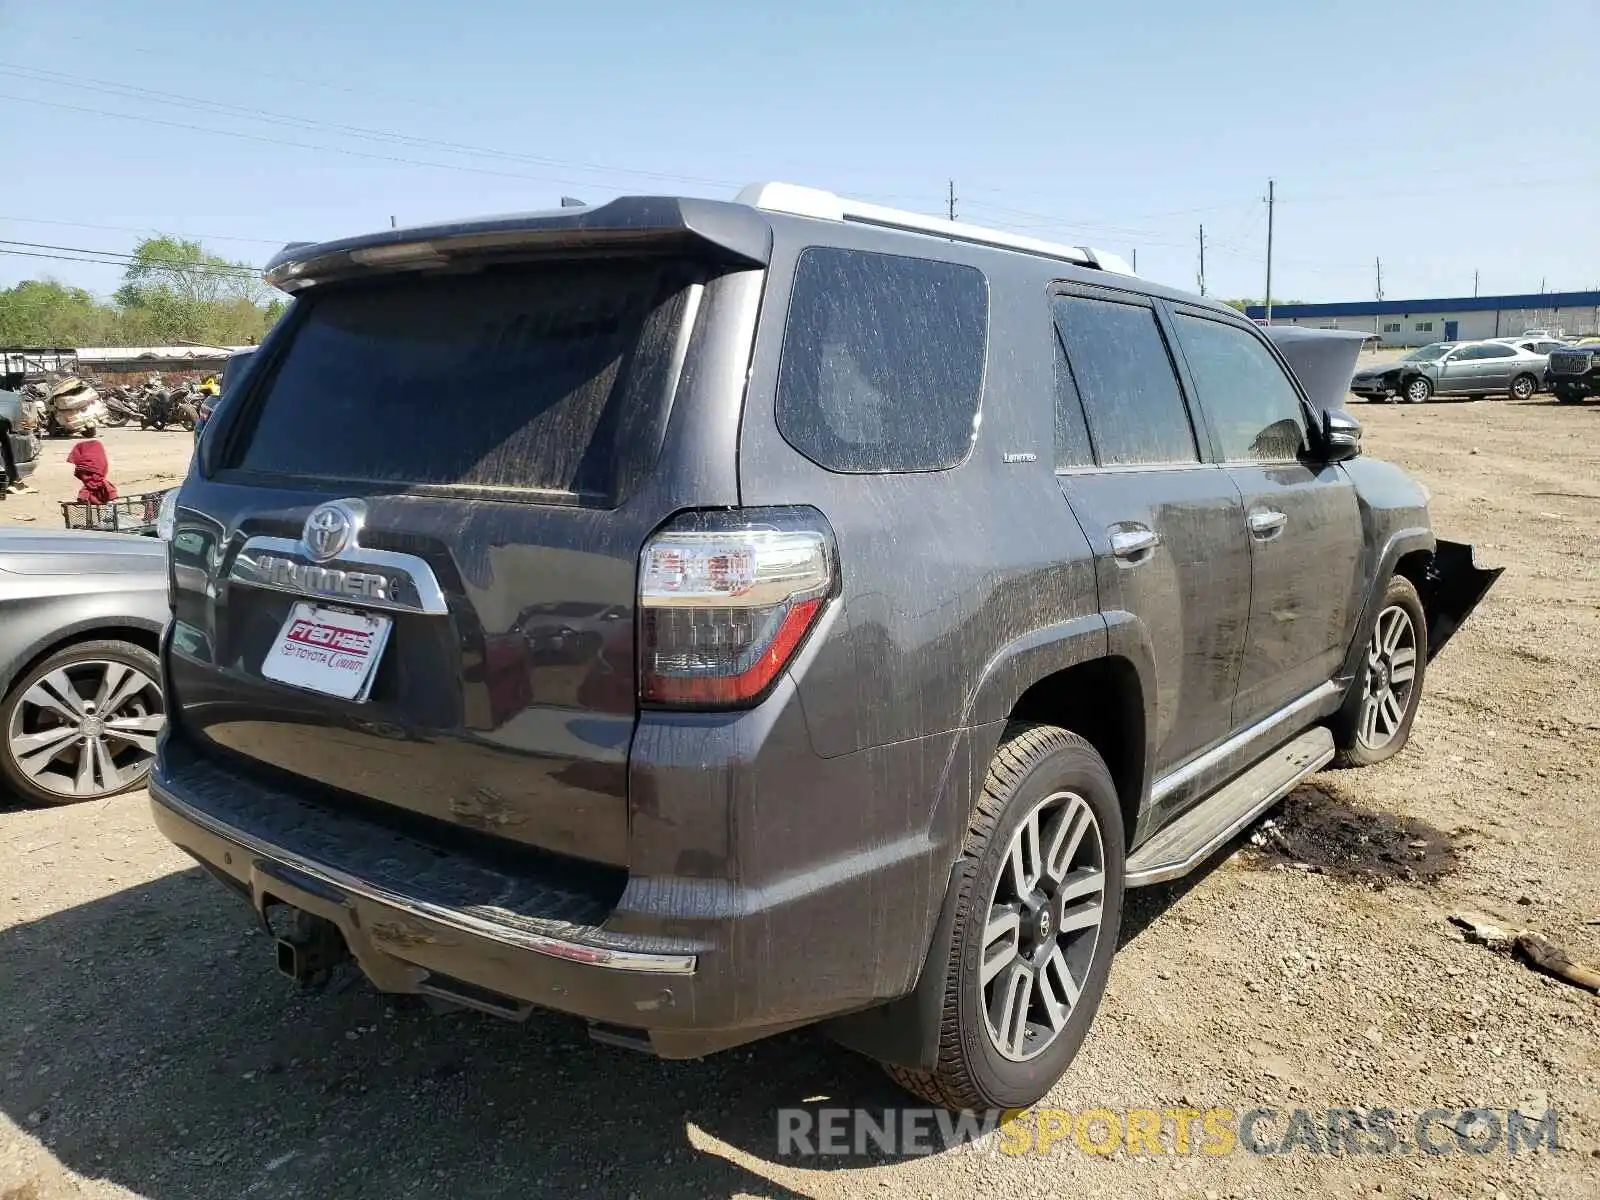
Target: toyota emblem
[(331, 530)]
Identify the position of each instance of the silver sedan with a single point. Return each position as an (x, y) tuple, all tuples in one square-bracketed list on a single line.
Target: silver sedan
[(1486, 368), (80, 686)]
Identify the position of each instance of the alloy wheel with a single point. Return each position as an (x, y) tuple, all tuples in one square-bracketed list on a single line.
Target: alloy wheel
[(1418, 391), (1522, 388), (87, 729), (1391, 673), (1043, 923)]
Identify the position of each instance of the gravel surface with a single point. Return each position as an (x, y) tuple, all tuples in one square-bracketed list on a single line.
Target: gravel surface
[(147, 1046)]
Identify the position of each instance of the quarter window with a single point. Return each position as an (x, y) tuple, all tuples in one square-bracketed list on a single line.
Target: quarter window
[(882, 366), (1119, 364), (1253, 408)]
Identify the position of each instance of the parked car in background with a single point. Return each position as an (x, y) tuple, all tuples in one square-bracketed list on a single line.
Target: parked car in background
[(80, 693), (232, 367), (19, 439), (1475, 369), (635, 691), (1574, 372)]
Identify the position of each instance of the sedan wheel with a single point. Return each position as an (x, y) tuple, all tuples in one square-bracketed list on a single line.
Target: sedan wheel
[(83, 725), (1523, 386), (1391, 671), (1419, 390)]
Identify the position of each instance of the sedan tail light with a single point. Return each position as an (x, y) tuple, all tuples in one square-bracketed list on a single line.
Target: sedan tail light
[(725, 600)]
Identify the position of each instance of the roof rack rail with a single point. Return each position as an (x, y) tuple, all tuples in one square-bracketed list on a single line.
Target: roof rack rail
[(827, 206)]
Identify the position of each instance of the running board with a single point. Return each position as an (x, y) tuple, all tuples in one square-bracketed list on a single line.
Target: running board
[(1209, 825)]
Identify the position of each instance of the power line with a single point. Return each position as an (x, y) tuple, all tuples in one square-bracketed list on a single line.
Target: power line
[(272, 141), (216, 268), (151, 232), (316, 125)]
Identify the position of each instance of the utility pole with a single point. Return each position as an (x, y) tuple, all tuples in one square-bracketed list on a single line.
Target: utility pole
[(1474, 283), (1377, 318), (393, 224), (952, 199), (1271, 201), (1136, 260), (1202, 260)]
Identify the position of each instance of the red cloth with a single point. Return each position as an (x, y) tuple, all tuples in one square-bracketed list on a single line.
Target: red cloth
[(89, 464)]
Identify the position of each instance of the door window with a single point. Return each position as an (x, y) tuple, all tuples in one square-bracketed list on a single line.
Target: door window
[(1247, 395), (1117, 362)]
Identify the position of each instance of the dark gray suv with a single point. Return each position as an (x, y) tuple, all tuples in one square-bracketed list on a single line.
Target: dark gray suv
[(714, 618)]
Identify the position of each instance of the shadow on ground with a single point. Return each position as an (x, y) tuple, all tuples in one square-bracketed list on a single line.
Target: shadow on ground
[(146, 1039)]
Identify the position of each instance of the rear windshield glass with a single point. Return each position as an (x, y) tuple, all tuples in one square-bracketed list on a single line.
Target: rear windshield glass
[(550, 378), (882, 365)]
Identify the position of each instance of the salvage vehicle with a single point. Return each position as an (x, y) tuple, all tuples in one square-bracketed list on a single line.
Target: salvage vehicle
[(1475, 369), (862, 670), (1574, 373), (80, 684)]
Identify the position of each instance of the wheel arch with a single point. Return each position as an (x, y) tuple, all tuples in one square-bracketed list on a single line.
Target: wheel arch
[(142, 633)]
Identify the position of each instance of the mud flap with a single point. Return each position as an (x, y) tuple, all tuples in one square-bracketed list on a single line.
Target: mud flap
[(1452, 589)]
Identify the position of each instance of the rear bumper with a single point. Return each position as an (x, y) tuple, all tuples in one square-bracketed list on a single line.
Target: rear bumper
[(691, 964)]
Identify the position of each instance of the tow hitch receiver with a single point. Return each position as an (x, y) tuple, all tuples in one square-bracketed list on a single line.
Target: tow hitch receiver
[(309, 948)]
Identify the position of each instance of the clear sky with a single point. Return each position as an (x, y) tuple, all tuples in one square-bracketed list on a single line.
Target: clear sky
[(1443, 138)]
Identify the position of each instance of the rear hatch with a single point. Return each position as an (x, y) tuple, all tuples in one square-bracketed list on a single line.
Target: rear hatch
[(498, 435)]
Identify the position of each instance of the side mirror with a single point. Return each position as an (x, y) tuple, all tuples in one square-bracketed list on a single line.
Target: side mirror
[(1341, 436)]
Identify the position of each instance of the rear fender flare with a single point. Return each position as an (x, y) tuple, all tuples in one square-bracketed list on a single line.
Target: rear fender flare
[(905, 1032)]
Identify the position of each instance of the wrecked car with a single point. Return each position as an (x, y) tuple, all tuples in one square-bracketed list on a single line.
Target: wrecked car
[(819, 614)]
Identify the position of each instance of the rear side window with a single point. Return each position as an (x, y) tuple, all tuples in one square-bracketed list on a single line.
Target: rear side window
[(1125, 378), (1252, 406), (550, 378), (882, 366)]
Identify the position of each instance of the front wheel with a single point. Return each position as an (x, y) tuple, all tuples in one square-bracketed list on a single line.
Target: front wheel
[(1375, 722), (1523, 387), (1418, 390), (82, 725), (1039, 905)]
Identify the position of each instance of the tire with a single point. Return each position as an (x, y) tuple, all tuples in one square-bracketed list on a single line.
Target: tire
[(1368, 729), (1523, 387), (89, 431), (1053, 782), (116, 421), (115, 754), (1567, 397), (1418, 390)]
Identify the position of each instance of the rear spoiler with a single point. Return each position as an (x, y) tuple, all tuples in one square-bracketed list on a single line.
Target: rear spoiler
[(732, 233)]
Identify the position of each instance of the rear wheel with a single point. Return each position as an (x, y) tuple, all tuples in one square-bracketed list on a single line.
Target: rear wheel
[(1418, 390), (82, 725), (1523, 387), (1567, 396), (1375, 721), (1039, 905)]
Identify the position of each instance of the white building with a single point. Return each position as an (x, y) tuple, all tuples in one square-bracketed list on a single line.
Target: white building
[(1461, 319)]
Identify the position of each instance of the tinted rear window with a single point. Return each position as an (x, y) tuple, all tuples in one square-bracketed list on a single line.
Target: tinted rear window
[(882, 364), (549, 378)]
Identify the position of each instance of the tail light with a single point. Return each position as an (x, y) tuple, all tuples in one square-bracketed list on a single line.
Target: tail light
[(725, 600)]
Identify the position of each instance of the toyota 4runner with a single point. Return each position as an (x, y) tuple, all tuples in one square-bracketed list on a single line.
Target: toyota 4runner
[(715, 618)]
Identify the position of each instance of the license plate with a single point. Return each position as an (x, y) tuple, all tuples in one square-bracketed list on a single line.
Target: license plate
[(330, 650)]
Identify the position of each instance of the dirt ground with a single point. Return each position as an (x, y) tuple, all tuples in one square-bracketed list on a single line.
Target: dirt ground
[(148, 1048)]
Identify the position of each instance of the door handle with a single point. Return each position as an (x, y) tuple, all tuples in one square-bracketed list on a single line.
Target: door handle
[(1134, 545), (1265, 525)]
